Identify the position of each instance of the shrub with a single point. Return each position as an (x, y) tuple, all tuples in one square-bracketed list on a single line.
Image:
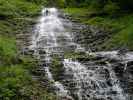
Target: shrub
[(14, 8), (111, 8)]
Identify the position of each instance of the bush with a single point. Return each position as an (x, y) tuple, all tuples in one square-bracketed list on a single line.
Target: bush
[(111, 9), (14, 8), (16, 84), (16, 81), (7, 50)]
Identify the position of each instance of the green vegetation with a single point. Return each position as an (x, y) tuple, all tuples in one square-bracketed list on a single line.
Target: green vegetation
[(16, 81), (101, 4), (16, 84), (112, 15), (16, 70), (81, 56), (120, 24), (17, 8), (56, 68), (16, 74), (123, 32), (75, 55), (7, 50)]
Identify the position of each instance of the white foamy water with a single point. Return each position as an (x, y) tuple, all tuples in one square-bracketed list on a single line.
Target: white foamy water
[(47, 31), (94, 82), (91, 82)]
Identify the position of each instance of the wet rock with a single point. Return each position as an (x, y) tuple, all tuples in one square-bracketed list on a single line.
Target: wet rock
[(31, 52), (130, 63), (41, 52), (66, 98), (130, 67), (122, 51)]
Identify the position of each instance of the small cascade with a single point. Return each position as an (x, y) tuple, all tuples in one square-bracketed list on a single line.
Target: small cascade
[(93, 82)]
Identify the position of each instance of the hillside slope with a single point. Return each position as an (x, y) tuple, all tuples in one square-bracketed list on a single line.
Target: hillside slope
[(16, 70), (120, 27)]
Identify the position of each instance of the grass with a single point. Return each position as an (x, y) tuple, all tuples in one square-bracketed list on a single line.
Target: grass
[(16, 84), (123, 38), (78, 13), (73, 11), (120, 26), (7, 49), (8, 46), (15, 8), (16, 81)]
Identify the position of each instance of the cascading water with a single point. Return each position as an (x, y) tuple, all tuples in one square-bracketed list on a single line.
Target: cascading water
[(45, 39), (91, 82)]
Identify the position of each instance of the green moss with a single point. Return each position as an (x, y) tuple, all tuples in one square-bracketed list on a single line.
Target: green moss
[(80, 56), (119, 25), (74, 55), (56, 68)]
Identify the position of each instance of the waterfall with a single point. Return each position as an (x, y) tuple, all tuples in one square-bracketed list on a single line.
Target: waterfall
[(91, 82), (47, 30)]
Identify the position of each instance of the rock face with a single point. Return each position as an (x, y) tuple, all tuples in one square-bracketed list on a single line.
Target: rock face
[(90, 37), (23, 43), (122, 66), (99, 76), (101, 63)]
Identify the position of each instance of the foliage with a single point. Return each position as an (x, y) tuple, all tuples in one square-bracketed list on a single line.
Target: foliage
[(16, 81), (124, 37), (43, 2), (17, 8), (111, 8), (125, 4), (16, 74), (16, 84), (101, 5), (7, 50), (56, 68), (119, 25)]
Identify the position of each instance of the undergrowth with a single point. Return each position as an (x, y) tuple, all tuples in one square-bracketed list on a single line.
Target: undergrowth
[(16, 70), (121, 26)]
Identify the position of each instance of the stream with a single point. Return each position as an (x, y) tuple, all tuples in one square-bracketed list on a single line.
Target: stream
[(82, 80)]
